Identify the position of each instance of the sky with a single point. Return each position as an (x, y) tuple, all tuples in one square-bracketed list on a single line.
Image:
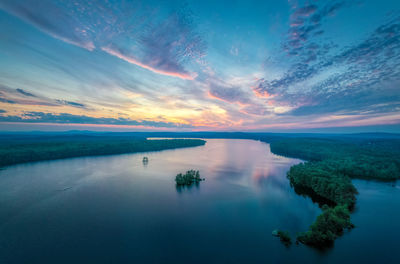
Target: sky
[(167, 65)]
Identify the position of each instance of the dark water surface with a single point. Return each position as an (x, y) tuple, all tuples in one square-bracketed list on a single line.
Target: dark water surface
[(115, 209)]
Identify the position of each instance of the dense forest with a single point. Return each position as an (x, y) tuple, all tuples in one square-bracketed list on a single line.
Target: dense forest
[(331, 163), (328, 226), (19, 149), (355, 158)]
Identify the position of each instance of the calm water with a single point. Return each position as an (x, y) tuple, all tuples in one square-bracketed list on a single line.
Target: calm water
[(115, 209)]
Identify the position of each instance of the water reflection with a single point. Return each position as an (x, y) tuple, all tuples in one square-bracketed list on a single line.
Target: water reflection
[(182, 188), (145, 161), (122, 209)]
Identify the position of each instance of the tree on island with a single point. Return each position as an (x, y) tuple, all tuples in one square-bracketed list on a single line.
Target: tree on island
[(283, 236), (189, 178)]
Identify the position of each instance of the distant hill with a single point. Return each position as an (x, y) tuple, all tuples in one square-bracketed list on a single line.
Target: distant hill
[(265, 136)]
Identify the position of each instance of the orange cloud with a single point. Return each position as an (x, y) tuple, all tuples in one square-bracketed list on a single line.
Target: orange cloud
[(261, 94)]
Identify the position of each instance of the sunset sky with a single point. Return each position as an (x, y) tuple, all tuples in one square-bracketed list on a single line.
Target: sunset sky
[(199, 65)]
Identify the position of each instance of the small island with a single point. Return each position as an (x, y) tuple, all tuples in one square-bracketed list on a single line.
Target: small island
[(283, 236), (187, 179)]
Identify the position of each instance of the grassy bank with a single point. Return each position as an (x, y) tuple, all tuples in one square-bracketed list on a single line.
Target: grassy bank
[(21, 150), (326, 177)]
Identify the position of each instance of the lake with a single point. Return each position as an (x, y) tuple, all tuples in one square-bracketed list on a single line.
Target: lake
[(116, 209)]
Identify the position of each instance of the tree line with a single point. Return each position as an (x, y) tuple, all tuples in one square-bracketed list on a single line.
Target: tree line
[(326, 177), (21, 151)]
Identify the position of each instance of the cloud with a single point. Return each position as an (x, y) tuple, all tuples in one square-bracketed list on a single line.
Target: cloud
[(65, 118), (320, 78), (234, 51), (255, 109), (357, 77), (232, 94), (25, 93), (228, 93), (4, 98), (168, 44), (7, 101), (305, 23), (180, 74), (70, 103), (13, 96), (133, 31), (51, 19), (304, 11)]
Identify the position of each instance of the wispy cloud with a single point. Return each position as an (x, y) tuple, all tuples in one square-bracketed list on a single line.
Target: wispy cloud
[(70, 103), (237, 94), (163, 45), (23, 92), (65, 118), (18, 96), (182, 74), (179, 63), (2, 100), (51, 19), (228, 93)]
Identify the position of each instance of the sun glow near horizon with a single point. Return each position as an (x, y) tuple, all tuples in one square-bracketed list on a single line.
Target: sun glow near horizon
[(200, 66)]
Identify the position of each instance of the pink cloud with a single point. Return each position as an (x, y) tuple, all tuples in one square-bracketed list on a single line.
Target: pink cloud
[(185, 76)]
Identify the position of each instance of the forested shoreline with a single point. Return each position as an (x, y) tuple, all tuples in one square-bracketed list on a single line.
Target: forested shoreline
[(331, 161), (15, 151), (330, 165)]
